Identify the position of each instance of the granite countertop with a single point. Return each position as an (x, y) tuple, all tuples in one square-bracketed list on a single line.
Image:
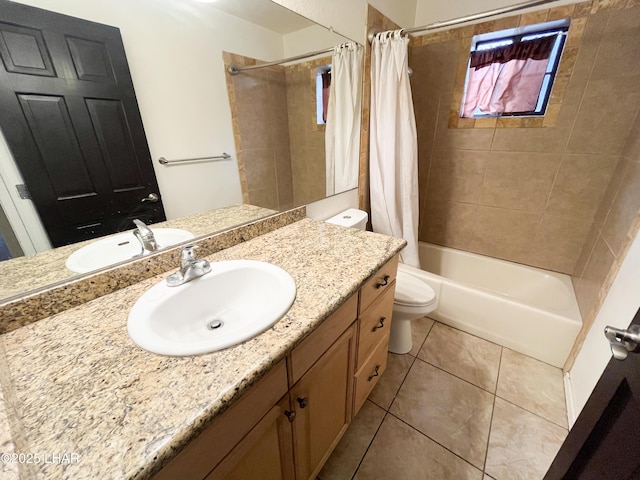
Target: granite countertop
[(23, 274), (75, 384)]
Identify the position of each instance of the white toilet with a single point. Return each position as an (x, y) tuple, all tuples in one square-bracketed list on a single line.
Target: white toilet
[(414, 298)]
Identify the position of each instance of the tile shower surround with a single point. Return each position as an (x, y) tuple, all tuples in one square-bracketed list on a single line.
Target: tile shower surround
[(561, 193)]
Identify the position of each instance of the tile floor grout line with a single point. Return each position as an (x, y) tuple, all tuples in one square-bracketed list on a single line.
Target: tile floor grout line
[(456, 376), (436, 442), (387, 410), (355, 472), (532, 413), (493, 410)]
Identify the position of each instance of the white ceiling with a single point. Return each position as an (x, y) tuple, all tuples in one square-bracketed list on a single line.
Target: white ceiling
[(264, 13)]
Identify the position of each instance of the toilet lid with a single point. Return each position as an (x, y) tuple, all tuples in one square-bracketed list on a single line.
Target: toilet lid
[(411, 290)]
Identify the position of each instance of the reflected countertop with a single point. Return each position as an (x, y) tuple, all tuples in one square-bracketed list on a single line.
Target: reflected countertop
[(75, 383), (23, 274)]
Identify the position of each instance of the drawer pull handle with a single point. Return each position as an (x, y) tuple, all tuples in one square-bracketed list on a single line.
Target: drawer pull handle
[(303, 402), (290, 414), (374, 374), (384, 283), (380, 325)]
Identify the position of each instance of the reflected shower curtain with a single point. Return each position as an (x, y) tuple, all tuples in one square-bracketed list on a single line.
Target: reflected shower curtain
[(393, 158), (342, 134)]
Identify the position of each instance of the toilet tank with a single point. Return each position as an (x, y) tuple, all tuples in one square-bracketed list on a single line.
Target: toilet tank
[(353, 218)]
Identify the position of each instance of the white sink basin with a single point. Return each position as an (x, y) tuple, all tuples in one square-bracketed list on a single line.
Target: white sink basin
[(236, 301), (116, 248)]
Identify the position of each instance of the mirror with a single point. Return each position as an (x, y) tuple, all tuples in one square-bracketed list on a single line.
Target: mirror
[(174, 50)]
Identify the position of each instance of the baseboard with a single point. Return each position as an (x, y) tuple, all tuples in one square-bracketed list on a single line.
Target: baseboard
[(568, 393)]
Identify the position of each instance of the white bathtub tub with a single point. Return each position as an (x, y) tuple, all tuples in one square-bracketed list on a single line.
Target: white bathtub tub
[(530, 310)]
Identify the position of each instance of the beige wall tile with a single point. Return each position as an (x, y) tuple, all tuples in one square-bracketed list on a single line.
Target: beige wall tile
[(434, 68), (585, 253), (624, 209), (542, 140), (519, 182), (606, 115), (588, 285), (456, 175), (260, 169), (611, 192), (581, 184), (254, 126), (522, 445), (501, 233), (620, 44), (448, 223), (558, 243)]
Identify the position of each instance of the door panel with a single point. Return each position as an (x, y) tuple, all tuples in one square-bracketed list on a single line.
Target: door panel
[(91, 60), (23, 50), (114, 138), (70, 116), (605, 440), (49, 120)]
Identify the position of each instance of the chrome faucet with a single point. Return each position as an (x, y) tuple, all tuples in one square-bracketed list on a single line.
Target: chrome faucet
[(145, 237), (190, 267)]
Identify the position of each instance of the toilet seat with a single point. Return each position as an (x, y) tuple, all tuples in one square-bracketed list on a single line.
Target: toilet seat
[(411, 291)]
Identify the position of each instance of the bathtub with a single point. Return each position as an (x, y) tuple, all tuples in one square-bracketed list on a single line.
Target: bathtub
[(526, 309)]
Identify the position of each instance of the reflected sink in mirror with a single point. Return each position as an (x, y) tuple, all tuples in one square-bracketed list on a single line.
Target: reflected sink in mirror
[(120, 247), (236, 301)]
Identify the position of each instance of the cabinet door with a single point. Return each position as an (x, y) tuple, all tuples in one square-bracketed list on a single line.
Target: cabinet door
[(322, 400), (266, 452)]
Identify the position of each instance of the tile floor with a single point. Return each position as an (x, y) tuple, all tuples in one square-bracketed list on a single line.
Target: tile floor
[(456, 407)]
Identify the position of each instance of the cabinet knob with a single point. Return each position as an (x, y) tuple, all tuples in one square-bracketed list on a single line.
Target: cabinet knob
[(384, 283), (374, 374), (290, 414), (380, 325), (303, 402)]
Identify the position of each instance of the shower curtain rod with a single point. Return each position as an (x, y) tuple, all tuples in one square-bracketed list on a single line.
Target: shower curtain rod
[(468, 18), (235, 69)]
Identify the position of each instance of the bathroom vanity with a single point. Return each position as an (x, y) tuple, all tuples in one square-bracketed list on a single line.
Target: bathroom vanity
[(75, 383)]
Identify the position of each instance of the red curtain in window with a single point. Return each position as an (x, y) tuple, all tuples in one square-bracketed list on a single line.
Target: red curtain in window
[(507, 79), (326, 87)]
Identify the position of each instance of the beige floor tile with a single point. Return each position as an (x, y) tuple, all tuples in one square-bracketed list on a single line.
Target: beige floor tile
[(522, 445), (450, 411), (347, 455), (391, 380), (470, 358), (400, 452), (532, 385), (420, 328)]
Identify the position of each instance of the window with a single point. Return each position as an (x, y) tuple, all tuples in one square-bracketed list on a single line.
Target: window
[(323, 85), (511, 72)]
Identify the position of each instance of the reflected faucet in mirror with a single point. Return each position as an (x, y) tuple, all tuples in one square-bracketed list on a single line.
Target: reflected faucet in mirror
[(145, 236)]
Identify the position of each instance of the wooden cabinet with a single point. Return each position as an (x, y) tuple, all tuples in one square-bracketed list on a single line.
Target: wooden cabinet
[(286, 426), (374, 327), (265, 453), (322, 400)]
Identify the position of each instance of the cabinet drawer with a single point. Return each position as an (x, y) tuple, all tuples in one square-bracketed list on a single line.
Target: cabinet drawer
[(375, 323), (380, 282), (311, 348), (368, 375)]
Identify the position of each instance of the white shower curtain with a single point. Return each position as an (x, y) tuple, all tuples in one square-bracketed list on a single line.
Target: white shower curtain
[(394, 146), (342, 133)]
